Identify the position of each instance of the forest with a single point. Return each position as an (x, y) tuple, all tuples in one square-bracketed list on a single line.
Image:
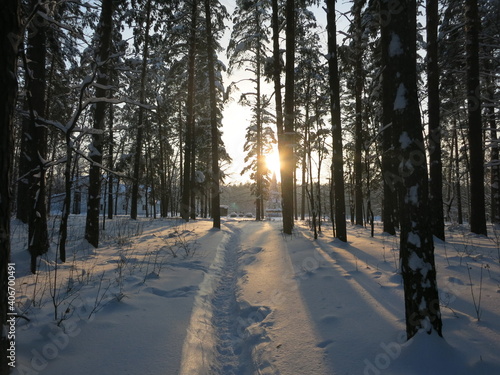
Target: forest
[(116, 107)]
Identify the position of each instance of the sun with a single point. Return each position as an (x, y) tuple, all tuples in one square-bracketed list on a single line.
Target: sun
[(273, 162)]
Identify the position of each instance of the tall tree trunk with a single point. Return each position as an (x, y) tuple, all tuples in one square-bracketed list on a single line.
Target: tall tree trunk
[(258, 122), (277, 70), (475, 138), (458, 187), (416, 242), (435, 162), (337, 158), (215, 190), (94, 195), (494, 155), (358, 165), (37, 138), (187, 186), (277, 79), (111, 144), (389, 167), (287, 138), (140, 121), (10, 34)]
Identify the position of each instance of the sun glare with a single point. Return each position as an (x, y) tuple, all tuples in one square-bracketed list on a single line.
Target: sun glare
[(273, 162)]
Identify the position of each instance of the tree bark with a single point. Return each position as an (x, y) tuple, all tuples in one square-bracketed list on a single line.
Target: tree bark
[(259, 203), (36, 147), (187, 186), (140, 121), (214, 191), (494, 155), (435, 162), (94, 191), (389, 167), (358, 165), (287, 138), (458, 188), (10, 34), (475, 137), (416, 241), (337, 158)]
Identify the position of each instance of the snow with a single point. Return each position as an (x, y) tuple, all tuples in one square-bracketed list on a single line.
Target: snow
[(395, 47), (404, 140), (414, 239), (167, 297), (400, 102)]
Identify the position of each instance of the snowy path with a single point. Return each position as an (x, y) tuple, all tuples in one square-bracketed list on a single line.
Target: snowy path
[(279, 329), (249, 301)]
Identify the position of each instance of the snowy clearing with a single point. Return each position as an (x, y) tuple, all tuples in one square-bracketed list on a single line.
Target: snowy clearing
[(166, 297)]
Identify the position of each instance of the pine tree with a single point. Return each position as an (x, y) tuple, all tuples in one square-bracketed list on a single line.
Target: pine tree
[(475, 135), (104, 33), (416, 241), (141, 116), (337, 158), (10, 35), (435, 163), (35, 136), (286, 140), (188, 182), (247, 49)]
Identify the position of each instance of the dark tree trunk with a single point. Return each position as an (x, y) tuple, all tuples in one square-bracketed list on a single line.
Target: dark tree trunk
[(494, 155), (140, 121), (337, 158), (214, 188), (475, 138), (435, 162), (187, 185), (416, 242), (10, 39), (358, 165), (163, 170), (111, 145), (258, 122), (37, 137), (277, 81), (287, 138), (277, 70), (389, 166), (458, 188), (94, 196)]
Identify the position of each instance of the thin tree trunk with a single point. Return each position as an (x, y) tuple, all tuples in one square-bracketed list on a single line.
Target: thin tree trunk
[(111, 145), (214, 186), (389, 167), (187, 186), (358, 165), (435, 162), (337, 158), (258, 121), (94, 191), (458, 188), (475, 137), (287, 139), (140, 121), (494, 155)]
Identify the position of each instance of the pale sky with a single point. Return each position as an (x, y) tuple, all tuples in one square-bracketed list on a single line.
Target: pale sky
[(237, 117)]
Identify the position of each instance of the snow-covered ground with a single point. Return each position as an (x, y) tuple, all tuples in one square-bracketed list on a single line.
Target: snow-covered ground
[(166, 297)]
